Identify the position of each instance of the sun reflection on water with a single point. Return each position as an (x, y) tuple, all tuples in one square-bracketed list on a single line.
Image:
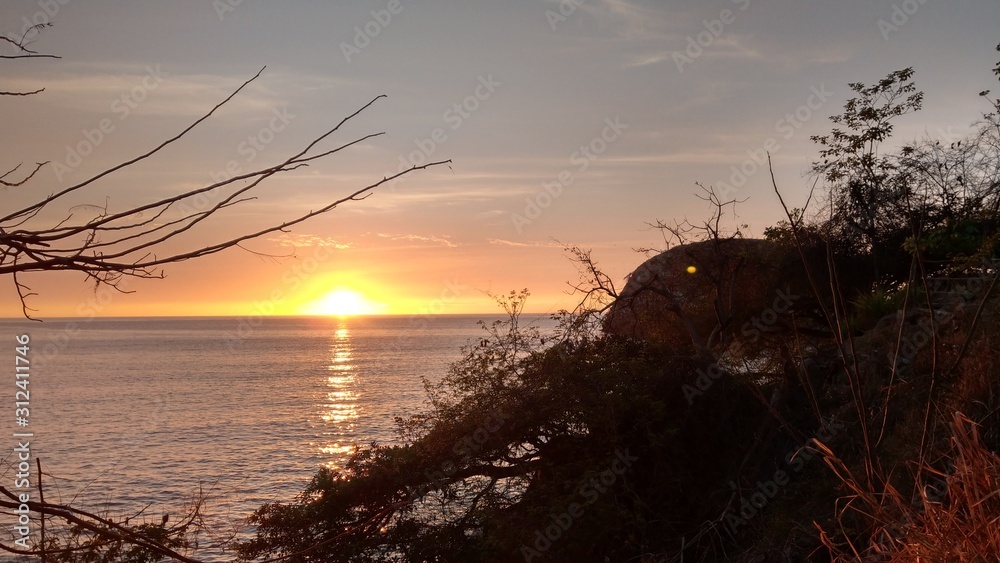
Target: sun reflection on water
[(341, 403)]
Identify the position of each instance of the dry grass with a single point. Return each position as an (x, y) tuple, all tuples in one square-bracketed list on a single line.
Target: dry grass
[(960, 523)]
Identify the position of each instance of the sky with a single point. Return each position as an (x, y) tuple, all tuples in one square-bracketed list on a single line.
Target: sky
[(573, 122)]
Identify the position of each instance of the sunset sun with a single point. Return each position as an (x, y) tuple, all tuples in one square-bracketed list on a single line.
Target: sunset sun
[(342, 302)]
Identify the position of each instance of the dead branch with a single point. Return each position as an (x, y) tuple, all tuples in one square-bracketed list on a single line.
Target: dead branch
[(23, 52), (114, 245), (597, 288)]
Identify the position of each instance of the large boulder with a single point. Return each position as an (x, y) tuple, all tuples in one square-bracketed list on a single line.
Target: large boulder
[(695, 296)]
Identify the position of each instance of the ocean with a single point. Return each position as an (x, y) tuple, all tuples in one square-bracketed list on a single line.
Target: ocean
[(135, 415)]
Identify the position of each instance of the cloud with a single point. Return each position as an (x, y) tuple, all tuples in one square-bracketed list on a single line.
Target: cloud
[(297, 240), (491, 213), (432, 239), (529, 244), (165, 89), (632, 20), (650, 59)]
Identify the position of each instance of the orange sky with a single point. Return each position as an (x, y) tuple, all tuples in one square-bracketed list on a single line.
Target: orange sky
[(579, 129)]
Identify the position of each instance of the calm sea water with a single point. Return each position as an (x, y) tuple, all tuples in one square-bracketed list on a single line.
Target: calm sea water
[(134, 412)]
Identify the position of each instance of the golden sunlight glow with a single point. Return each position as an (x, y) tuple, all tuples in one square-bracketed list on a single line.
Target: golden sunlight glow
[(342, 302)]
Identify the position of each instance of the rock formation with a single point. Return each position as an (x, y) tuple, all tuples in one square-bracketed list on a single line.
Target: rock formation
[(695, 296)]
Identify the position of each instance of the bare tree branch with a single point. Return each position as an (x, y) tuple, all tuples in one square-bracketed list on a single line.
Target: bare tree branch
[(14, 184), (101, 527), (6, 93), (23, 52), (113, 245)]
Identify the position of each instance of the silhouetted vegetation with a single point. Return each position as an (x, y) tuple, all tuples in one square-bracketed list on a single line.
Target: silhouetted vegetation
[(825, 393)]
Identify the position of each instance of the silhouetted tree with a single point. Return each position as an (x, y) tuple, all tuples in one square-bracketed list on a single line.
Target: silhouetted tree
[(867, 194)]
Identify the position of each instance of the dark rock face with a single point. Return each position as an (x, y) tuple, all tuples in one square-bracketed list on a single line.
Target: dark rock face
[(689, 296)]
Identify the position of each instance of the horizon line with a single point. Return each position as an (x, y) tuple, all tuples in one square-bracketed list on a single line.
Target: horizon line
[(366, 315)]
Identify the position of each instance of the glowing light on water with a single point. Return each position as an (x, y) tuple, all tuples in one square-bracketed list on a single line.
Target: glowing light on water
[(341, 402)]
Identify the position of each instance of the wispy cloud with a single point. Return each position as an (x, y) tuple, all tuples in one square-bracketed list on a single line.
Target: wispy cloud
[(635, 20), (297, 240), (744, 48), (168, 89), (431, 239), (650, 59), (628, 20), (529, 244)]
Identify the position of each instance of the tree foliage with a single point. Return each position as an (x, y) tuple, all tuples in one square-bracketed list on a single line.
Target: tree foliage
[(868, 195), (519, 438)]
